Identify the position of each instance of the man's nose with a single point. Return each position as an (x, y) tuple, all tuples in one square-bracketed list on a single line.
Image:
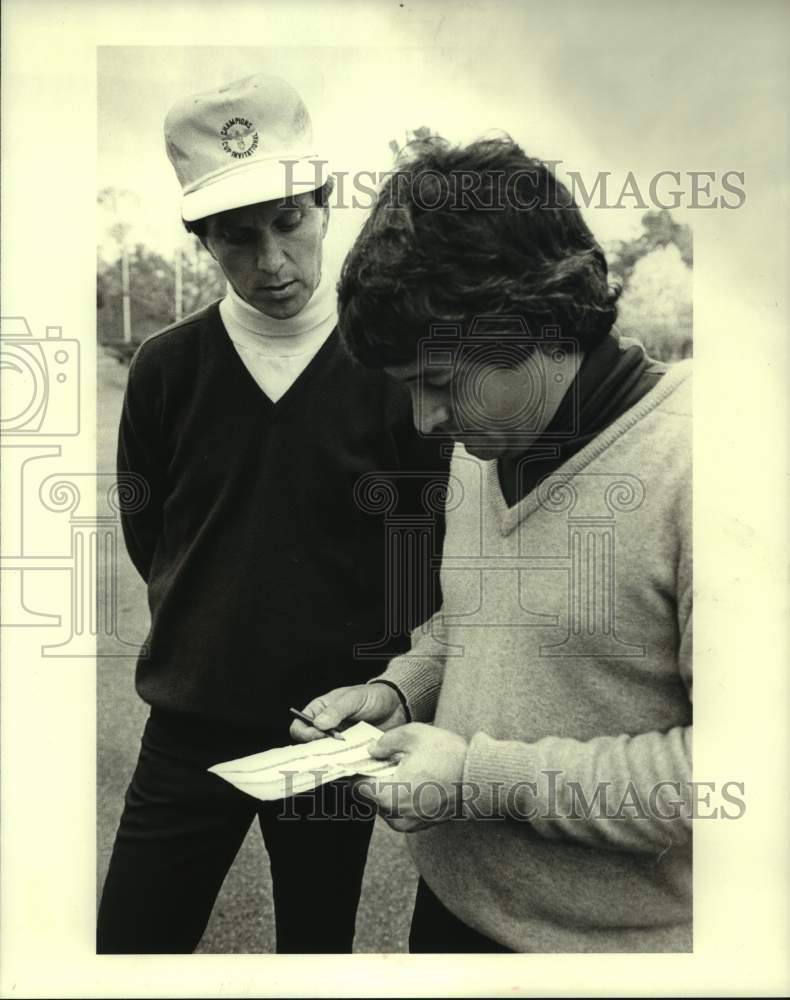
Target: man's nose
[(270, 256)]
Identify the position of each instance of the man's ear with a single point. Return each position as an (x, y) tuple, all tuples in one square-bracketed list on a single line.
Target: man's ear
[(325, 220)]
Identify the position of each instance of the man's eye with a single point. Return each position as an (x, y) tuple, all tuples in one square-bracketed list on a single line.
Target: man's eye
[(235, 237), (286, 223)]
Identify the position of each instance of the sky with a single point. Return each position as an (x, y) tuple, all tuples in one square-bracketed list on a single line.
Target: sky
[(359, 98), (628, 91)]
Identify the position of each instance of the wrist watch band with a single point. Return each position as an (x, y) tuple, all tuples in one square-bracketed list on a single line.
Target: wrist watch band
[(398, 692)]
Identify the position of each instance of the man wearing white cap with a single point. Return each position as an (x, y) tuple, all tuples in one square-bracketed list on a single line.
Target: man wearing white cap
[(252, 428)]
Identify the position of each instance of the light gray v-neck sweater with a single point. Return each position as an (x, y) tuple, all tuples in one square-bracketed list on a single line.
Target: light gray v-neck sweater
[(563, 654)]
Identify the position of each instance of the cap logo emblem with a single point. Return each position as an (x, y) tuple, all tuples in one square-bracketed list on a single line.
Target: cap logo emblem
[(239, 138)]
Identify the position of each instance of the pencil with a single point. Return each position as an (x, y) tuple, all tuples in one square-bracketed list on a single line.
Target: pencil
[(306, 718)]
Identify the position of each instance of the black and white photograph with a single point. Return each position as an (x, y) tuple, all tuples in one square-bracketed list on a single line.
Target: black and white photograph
[(383, 385)]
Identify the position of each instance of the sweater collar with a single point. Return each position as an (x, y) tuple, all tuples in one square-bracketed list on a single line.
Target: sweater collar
[(614, 375), (510, 517), (319, 312)]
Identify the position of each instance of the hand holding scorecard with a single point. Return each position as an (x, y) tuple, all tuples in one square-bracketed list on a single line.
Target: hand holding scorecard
[(285, 771)]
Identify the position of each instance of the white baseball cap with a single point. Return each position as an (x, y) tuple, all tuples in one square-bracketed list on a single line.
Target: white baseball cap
[(248, 142)]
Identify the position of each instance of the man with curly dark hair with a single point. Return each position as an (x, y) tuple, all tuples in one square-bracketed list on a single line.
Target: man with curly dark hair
[(550, 799)]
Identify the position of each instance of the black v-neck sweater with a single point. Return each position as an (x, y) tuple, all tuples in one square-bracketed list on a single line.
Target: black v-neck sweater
[(263, 571)]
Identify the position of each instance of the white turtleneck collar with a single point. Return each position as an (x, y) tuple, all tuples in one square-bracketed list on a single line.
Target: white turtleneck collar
[(276, 351)]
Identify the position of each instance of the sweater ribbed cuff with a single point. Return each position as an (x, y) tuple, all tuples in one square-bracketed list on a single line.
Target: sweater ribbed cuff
[(498, 776), (419, 681)]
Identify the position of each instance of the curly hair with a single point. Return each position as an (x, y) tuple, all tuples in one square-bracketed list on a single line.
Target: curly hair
[(459, 233)]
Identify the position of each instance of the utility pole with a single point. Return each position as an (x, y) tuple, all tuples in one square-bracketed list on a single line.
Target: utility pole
[(121, 203), (125, 295)]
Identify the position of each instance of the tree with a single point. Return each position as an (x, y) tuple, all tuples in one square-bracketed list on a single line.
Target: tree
[(656, 308), (655, 273), (152, 292), (659, 230), (136, 285)]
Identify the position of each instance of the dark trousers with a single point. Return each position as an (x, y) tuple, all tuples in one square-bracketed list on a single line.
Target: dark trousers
[(182, 827), (434, 930)]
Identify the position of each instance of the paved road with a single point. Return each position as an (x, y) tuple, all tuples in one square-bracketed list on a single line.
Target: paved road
[(242, 921)]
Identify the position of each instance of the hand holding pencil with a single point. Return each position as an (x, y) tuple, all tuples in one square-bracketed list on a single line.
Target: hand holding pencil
[(308, 721), (377, 704)]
